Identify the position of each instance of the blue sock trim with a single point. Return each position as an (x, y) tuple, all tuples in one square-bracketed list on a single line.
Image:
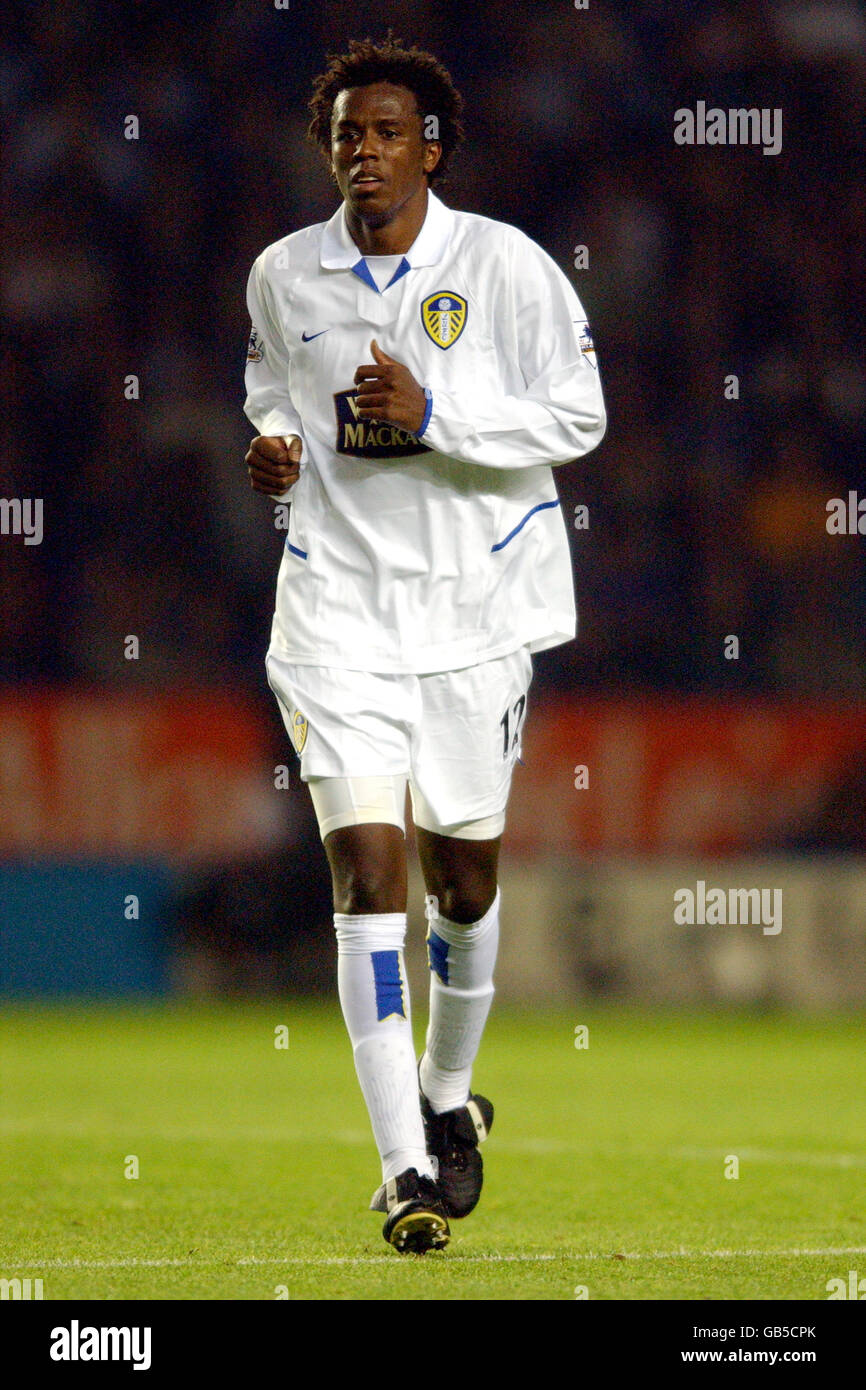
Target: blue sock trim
[(389, 984), (437, 955)]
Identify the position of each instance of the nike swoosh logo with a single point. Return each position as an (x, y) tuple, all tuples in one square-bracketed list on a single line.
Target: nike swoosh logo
[(308, 337)]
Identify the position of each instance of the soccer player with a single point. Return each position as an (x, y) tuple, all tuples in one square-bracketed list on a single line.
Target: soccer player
[(414, 373)]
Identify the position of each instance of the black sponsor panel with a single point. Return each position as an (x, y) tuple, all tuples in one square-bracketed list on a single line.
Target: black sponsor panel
[(370, 439)]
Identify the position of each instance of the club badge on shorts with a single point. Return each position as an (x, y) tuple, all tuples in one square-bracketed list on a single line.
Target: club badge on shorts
[(443, 315), (299, 730)]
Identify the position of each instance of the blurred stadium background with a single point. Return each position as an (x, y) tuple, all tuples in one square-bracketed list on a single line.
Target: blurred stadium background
[(145, 846)]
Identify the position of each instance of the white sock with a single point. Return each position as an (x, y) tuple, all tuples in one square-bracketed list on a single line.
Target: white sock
[(374, 995), (461, 959)]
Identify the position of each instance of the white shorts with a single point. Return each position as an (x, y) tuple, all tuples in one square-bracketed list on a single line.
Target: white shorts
[(453, 736)]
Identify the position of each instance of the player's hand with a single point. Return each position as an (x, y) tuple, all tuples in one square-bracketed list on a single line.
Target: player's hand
[(273, 463), (388, 391)]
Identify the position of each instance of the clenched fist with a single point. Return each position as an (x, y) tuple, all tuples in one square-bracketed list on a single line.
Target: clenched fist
[(273, 463), (388, 391)]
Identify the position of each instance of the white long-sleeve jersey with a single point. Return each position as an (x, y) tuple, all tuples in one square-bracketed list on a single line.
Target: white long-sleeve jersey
[(429, 552)]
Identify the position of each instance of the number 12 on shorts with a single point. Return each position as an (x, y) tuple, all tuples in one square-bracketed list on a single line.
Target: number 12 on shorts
[(510, 724)]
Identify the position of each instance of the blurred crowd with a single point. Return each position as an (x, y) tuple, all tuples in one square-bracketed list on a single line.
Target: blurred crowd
[(128, 258)]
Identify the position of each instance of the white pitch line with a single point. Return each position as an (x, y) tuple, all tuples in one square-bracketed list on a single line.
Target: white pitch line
[(725, 1254), (325, 1260), (248, 1260)]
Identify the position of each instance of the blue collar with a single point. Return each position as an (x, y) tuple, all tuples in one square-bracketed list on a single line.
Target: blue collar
[(339, 252)]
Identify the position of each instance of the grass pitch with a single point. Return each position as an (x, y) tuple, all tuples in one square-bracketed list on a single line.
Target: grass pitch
[(605, 1171)]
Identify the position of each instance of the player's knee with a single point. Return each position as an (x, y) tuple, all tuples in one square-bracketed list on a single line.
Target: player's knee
[(365, 889), (465, 904), (368, 869)]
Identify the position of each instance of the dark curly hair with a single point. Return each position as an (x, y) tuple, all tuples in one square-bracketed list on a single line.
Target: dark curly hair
[(391, 61)]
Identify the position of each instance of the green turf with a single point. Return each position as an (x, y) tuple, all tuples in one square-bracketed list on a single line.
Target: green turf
[(605, 1169)]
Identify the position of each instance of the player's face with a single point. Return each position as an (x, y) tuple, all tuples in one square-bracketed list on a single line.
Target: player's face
[(379, 156)]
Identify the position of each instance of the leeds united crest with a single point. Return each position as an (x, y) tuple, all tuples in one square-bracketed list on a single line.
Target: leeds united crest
[(444, 317)]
